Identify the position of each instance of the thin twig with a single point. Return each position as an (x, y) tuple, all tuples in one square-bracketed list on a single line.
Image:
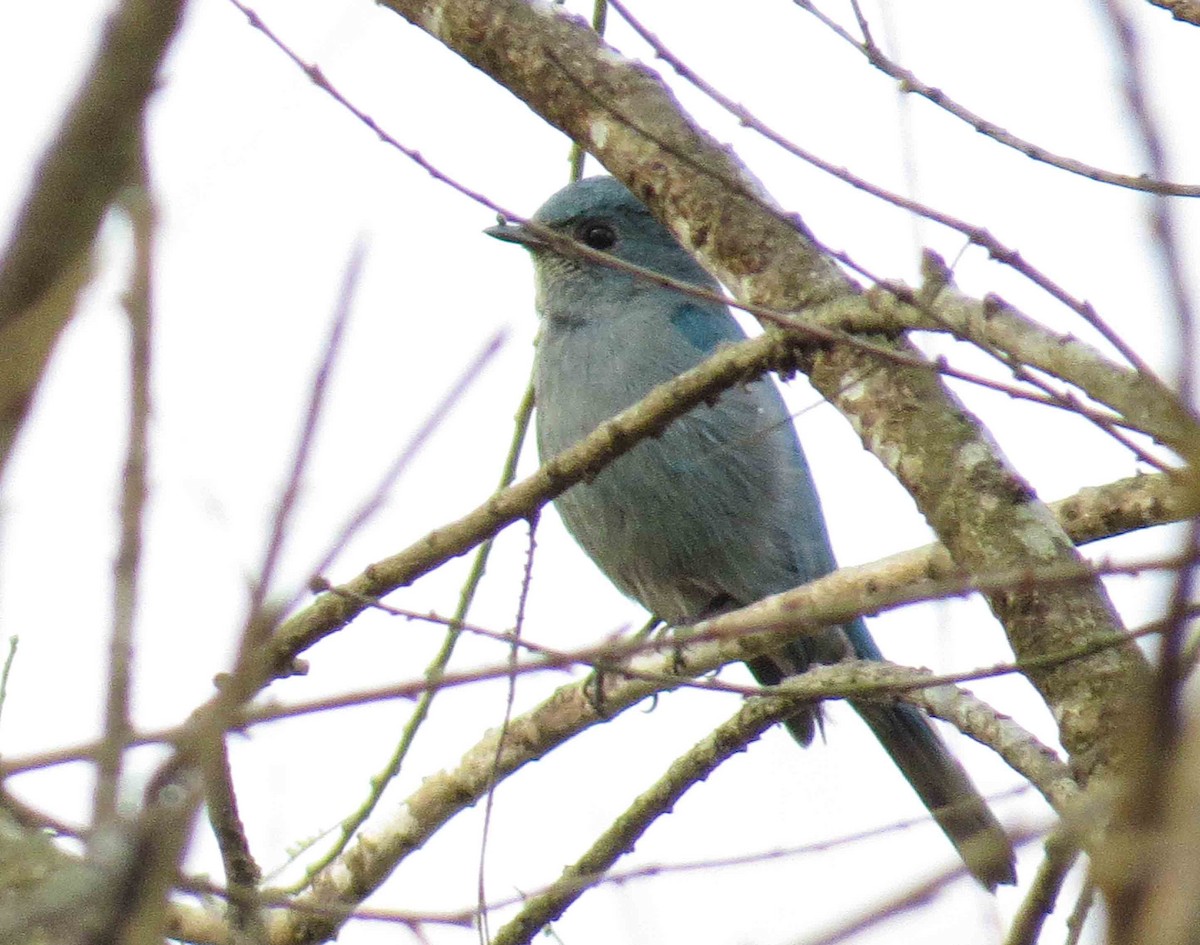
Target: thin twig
[(466, 377), (910, 83), (509, 701), (897, 905), (1146, 809), (242, 873), (436, 668), (7, 670), (578, 155), (1061, 852), (1078, 916), (317, 399), (137, 202)]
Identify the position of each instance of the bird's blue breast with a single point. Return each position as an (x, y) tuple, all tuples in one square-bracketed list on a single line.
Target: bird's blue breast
[(719, 506)]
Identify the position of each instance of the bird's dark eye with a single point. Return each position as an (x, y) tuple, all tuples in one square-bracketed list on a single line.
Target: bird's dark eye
[(596, 235)]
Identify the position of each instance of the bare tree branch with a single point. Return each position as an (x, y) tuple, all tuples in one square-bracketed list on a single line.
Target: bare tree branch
[(46, 261), (1186, 11)]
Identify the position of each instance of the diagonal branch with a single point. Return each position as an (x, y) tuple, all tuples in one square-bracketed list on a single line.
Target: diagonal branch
[(729, 738)]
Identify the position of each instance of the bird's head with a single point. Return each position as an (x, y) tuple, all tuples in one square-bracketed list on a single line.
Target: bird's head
[(601, 214)]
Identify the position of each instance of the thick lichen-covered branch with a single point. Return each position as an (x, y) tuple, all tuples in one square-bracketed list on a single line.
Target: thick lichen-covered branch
[(995, 326)]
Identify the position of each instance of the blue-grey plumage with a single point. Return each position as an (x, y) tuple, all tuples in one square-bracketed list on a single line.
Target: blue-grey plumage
[(720, 509)]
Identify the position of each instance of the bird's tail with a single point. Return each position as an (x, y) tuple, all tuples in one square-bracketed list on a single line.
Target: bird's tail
[(944, 788), (908, 736)]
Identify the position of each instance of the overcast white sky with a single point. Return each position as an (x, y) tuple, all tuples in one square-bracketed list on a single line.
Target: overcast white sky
[(264, 184)]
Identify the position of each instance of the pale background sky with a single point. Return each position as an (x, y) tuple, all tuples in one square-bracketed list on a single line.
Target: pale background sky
[(264, 184)]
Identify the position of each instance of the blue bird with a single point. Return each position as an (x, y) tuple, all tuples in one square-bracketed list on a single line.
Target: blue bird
[(718, 511)]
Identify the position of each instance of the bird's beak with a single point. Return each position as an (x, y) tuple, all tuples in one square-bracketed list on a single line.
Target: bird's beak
[(515, 233)]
